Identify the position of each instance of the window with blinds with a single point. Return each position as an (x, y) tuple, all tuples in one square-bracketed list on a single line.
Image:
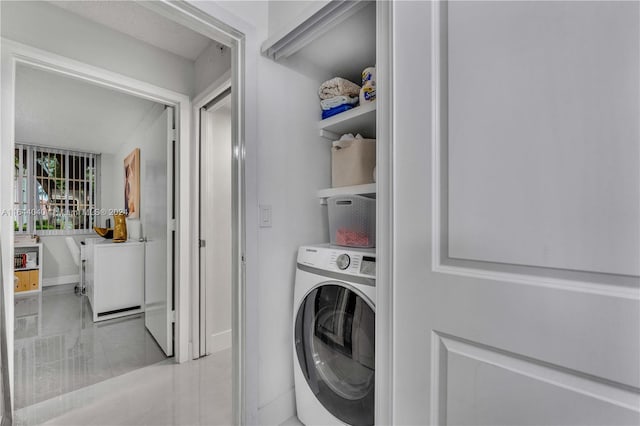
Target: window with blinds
[(55, 190)]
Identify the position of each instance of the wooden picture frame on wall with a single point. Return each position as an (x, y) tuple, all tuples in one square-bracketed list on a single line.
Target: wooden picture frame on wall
[(132, 184)]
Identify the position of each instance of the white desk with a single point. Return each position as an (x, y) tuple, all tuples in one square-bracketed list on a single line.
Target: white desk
[(114, 278)]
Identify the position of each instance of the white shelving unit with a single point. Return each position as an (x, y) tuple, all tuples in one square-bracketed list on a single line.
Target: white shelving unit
[(28, 282), (318, 39), (357, 120)]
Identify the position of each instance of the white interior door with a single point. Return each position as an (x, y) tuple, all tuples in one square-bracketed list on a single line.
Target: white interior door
[(215, 224), (157, 228), (517, 221)]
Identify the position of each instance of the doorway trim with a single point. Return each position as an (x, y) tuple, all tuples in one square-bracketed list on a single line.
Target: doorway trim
[(218, 23), (13, 54), (385, 148)]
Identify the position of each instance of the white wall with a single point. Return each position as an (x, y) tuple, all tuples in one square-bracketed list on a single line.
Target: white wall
[(212, 63), (51, 28), (293, 162), (151, 138), (58, 267)]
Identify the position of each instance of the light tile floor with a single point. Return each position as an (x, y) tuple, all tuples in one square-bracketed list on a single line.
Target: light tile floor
[(58, 348), (193, 393)]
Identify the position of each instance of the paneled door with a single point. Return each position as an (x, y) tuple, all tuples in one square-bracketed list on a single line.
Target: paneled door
[(158, 228), (516, 213)]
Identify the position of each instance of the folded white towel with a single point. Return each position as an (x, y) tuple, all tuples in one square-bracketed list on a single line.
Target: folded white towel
[(337, 101), (338, 86)]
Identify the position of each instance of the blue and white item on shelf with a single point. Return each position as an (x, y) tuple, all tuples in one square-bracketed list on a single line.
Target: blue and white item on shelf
[(334, 111)]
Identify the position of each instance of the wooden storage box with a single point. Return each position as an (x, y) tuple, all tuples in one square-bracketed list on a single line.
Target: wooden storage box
[(27, 280), (22, 282)]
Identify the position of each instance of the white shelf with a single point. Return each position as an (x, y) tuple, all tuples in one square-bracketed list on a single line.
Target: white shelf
[(361, 120), (26, 292), (366, 189), (22, 245)]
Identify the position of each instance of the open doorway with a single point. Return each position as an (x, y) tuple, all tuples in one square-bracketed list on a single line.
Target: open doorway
[(88, 308)]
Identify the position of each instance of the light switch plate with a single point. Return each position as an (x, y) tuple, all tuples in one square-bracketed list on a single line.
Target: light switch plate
[(265, 216)]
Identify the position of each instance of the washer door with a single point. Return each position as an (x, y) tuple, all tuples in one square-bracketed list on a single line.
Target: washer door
[(335, 341)]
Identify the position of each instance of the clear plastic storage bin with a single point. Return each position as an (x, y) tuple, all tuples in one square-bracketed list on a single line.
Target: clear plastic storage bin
[(352, 221)]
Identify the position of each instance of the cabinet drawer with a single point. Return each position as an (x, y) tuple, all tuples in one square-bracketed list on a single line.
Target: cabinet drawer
[(34, 279), (22, 284)]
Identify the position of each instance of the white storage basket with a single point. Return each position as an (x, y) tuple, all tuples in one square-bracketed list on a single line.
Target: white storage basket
[(352, 221)]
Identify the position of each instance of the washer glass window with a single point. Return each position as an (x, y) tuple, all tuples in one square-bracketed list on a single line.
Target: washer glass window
[(335, 341)]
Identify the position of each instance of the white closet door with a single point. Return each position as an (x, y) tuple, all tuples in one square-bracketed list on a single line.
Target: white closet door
[(517, 221), (158, 190), (215, 225)]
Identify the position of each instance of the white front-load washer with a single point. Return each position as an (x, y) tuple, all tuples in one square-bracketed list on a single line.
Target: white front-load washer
[(334, 335)]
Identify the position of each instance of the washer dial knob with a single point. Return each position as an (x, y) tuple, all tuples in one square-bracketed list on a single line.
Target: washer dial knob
[(343, 261)]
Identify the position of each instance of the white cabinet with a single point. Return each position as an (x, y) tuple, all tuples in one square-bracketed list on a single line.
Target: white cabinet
[(114, 278)]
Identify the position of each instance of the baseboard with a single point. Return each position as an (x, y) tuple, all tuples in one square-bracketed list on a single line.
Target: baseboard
[(219, 341), (279, 410), (62, 279)]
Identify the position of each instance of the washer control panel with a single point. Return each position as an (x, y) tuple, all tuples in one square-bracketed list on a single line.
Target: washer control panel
[(338, 259), (353, 263), (356, 262)]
